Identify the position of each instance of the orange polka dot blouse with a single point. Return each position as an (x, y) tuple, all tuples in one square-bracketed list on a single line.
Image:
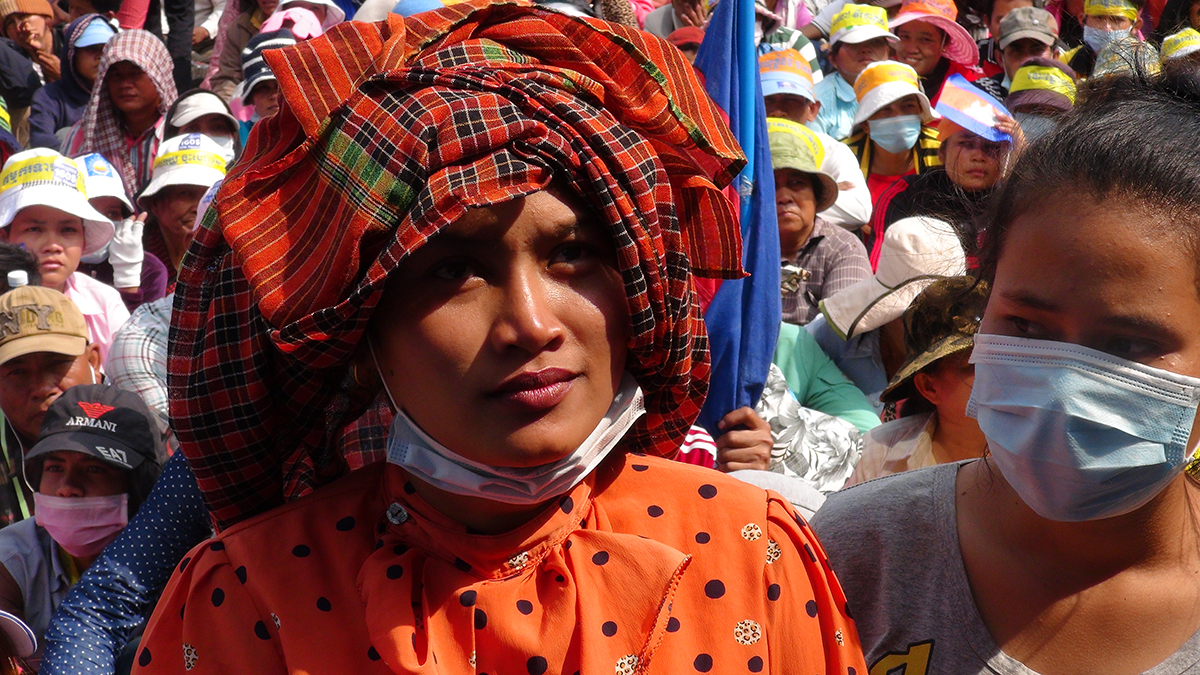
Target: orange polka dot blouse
[(648, 566)]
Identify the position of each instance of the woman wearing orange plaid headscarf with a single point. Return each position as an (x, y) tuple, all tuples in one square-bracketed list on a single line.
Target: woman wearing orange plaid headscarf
[(464, 219)]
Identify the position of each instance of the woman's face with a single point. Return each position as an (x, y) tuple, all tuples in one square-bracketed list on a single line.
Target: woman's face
[(504, 337), (1106, 275), (213, 126), (920, 46), (130, 88), (973, 162)]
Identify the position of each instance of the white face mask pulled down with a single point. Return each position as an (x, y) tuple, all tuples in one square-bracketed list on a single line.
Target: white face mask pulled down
[(421, 456)]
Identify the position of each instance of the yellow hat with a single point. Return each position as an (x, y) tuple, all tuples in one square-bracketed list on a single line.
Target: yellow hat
[(786, 72), (38, 319), (855, 24), (1184, 43), (885, 82), (795, 146), (1123, 8)]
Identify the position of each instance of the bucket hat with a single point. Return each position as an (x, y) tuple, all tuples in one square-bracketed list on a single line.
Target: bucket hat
[(916, 252), (42, 177), (795, 146), (856, 24), (941, 321), (101, 179), (192, 159), (786, 72), (960, 48), (885, 82), (1028, 23), (1043, 82)]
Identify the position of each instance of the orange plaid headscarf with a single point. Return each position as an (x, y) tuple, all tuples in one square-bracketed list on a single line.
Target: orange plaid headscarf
[(391, 131)]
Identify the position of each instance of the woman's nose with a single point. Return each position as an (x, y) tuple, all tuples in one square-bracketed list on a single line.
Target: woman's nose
[(529, 320)]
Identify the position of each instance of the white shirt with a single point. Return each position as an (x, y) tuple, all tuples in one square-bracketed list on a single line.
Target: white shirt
[(208, 15), (853, 207)]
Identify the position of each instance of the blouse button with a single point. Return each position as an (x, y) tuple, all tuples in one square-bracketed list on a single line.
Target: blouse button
[(396, 514)]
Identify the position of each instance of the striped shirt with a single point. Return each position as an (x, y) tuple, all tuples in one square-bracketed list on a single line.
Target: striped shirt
[(831, 260)]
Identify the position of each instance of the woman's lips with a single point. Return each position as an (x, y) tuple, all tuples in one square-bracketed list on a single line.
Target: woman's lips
[(537, 391)]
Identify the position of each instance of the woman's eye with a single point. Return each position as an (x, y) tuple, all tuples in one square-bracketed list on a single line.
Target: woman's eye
[(1128, 348), (1024, 327), (453, 270), (571, 253)]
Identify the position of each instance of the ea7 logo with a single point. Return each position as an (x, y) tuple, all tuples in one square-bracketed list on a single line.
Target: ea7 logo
[(113, 454)]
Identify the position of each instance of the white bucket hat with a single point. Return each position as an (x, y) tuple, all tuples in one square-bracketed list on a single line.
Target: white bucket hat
[(192, 159), (885, 82), (102, 180), (333, 14), (42, 177), (916, 252)]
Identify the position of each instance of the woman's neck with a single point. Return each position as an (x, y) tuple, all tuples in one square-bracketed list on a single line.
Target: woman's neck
[(177, 245), (136, 123), (478, 515), (956, 438), (884, 163)]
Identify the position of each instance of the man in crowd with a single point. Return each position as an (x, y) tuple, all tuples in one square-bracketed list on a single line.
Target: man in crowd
[(27, 24), (1103, 22), (994, 12), (1025, 33), (44, 351)]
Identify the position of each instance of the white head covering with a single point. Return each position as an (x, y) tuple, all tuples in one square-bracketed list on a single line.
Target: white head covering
[(42, 177)]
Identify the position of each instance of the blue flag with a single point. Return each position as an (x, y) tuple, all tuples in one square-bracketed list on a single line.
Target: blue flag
[(744, 316)]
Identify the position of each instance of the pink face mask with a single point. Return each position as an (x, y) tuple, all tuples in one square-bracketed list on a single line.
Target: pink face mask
[(82, 526)]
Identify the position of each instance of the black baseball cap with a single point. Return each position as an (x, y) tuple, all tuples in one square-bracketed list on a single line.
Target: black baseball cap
[(103, 421)]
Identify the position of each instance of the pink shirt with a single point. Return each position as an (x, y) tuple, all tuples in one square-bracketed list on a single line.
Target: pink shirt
[(102, 307)]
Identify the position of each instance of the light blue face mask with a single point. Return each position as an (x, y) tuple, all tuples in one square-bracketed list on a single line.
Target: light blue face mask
[(896, 134), (1035, 126), (1098, 38), (1080, 434)]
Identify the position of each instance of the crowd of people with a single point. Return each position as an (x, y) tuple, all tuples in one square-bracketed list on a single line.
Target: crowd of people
[(363, 336)]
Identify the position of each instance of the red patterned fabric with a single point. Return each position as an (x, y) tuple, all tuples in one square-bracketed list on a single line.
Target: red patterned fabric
[(390, 132)]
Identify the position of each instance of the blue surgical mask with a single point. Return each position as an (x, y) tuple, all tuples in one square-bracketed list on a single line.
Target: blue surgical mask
[(896, 134), (1078, 433), (1006, 82), (1035, 126), (1098, 38)]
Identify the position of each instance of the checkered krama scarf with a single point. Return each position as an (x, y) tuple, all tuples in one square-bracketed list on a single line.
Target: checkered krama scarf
[(100, 129), (388, 133)]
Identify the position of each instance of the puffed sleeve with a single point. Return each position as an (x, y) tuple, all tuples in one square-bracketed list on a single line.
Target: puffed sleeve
[(805, 599), (206, 622)]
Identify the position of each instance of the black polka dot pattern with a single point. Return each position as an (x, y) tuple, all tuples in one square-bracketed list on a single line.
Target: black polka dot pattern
[(183, 564), (773, 592), (462, 564), (324, 605), (241, 573), (703, 538), (600, 558), (714, 589), (480, 619), (536, 665), (217, 546), (467, 599), (672, 625), (301, 551), (638, 467), (395, 572), (609, 628), (654, 511), (525, 607), (345, 524), (260, 630), (703, 663), (144, 658), (811, 608), (373, 654), (707, 491), (755, 665), (566, 504), (218, 597)]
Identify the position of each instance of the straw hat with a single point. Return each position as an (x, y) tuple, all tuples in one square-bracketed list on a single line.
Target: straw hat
[(916, 252), (941, 321), (960, 48)]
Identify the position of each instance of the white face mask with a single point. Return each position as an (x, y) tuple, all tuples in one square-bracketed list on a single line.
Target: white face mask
[(227, 145), (97, 257), (421, 456)]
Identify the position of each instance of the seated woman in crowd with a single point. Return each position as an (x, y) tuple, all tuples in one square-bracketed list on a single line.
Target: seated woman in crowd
[(200, 111), (931, 387), (1042, 91), (44, 207), (29, 25), (1073, 546), (536, 326), (894, 137), (98, 455), (974, 158), (934, 44), (260, 89), (186, 167), (136, 90), (59, 105)]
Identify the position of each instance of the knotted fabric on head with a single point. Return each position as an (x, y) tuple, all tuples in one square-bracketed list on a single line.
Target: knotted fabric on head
[(100, 129), (387, 133)]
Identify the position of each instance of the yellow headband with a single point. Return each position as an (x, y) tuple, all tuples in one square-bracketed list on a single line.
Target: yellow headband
[(776, 125), (1111, 8), (1044, 78), (858, 16), (882, 73), (1183, 43), (46, 170), (191, 158)]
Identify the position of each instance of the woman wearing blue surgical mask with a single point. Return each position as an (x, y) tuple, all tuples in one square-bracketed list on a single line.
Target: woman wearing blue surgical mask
[(1103, 22), (891, 136), (1074, 545)]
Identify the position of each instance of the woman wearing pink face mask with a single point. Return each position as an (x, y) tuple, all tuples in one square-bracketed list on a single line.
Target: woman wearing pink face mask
[(96, 459)]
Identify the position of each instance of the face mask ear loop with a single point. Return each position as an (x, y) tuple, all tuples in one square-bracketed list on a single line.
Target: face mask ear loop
[(379, 370)]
